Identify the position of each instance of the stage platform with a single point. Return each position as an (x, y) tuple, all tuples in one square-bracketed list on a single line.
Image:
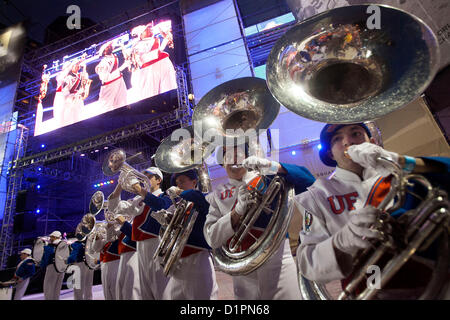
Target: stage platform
[(224, 282)]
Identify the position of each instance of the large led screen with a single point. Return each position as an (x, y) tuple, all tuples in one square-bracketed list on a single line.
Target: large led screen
[(123, 70)]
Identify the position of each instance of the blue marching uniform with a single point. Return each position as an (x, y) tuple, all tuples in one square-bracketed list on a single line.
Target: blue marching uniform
[(83, 289), (24, 271), (52, 279)]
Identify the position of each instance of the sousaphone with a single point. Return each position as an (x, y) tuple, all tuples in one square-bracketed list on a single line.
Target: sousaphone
[(239, 109), (335, 68), (180, 152)]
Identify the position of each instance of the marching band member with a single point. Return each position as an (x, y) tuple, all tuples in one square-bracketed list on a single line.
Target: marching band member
[(156, 73), (109, 261), (127, 284), (338, 211), (53, 279), (145, 231), (194, 277), (24, 271), (76, 257), (277, 277), (113, 92), (69, 93)]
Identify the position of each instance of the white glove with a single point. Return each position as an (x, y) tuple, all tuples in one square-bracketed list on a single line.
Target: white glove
[(350, 238), (243, 200), (173, 192), (264, 166), (162, 216), (366, 155), (123, 207)]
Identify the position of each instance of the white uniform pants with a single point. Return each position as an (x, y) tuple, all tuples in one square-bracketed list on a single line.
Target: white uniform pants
[(127, 284), (276, 279), (52, 283), (193, 279), (109, 272), (21, 287), (152, 278), (86, 279)]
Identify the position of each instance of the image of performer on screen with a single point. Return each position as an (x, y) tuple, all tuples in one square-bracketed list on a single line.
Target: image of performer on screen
[(73, 87), (113, 92), (155, 73)]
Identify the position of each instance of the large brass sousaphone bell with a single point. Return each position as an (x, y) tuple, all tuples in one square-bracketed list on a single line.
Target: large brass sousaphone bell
[(230, 110), (332, 68)]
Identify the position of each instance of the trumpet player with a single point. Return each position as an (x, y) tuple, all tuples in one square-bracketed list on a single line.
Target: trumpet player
[(145, 230), (194, 277), (338, 211), (277, 277), (24, 271), (127, 284)]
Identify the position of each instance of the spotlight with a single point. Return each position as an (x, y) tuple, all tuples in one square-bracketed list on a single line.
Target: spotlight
[(39, 169), (319, 146), (293, 153), (38, 211), (96, 150), (38, 186), (42, 145), (82, 155)]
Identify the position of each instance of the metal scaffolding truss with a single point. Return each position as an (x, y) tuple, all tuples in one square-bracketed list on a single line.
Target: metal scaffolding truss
[(14, 185)]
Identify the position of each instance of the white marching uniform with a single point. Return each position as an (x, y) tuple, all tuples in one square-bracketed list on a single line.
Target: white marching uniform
[(53, 279), (21, 288), (52, 283), (193, 276), (109, 267), (72, 103), (22, 285), (87, 278), (109, 263), (156, 73), (325, 208), (277, 277), (113, 92), (151, 277)]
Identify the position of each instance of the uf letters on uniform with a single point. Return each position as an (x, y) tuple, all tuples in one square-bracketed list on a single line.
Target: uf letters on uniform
[(342, 201)]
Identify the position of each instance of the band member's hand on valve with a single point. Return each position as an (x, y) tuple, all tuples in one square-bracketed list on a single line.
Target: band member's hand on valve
[(243, 200), (162, 216), (366, 154), (264, 166), (356, 234), (174, 192)]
